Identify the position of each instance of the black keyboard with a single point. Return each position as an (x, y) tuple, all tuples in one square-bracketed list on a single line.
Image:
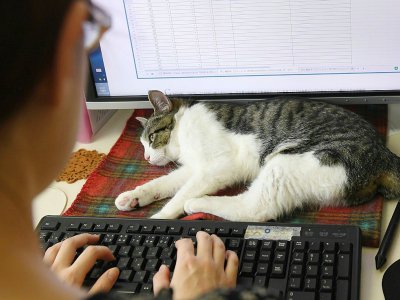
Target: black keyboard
[(300, 261)]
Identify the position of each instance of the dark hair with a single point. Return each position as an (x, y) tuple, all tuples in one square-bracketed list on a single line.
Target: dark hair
[(29, 31)]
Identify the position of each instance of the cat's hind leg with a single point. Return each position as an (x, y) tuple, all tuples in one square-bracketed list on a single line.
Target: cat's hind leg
[(285, 182), (157, 189)]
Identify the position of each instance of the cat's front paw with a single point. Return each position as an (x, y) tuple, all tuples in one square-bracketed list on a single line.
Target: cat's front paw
[(138, 197), (195, 205), (126, 201)]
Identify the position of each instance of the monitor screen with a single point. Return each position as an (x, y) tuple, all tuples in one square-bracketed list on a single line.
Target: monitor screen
[(244, 49)]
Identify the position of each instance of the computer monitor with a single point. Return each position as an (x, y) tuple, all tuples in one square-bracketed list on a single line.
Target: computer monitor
[(342, 51)]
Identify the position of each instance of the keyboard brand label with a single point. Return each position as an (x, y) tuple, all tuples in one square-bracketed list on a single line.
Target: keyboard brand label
[(271, 232)]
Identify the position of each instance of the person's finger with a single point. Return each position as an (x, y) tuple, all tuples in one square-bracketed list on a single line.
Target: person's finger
[(161, 279), (184, 249), (204, 244), (105, 282), (85, 262), (231, 269), (51, 254), (218, 251), (67, 252)]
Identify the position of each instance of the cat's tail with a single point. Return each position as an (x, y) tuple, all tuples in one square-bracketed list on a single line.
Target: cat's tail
[(389, 180)]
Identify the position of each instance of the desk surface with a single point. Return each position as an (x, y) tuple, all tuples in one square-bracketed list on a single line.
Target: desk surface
[(370, 278)]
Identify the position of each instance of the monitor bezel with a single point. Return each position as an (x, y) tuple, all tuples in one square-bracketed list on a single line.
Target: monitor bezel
[(93, 101)]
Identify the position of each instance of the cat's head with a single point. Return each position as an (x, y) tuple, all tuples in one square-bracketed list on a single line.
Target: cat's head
[(157, 129)]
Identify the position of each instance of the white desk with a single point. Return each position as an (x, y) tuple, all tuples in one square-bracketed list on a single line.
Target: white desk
[(370, 278)]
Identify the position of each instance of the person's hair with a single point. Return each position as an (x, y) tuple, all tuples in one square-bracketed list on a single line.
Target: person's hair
[(29, 31)]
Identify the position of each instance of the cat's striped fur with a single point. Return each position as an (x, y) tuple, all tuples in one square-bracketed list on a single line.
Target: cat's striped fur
[(292, 152)]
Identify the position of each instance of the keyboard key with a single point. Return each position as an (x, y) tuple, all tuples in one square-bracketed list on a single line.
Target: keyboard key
[(125, 251), (262, 269), (73, 226), (267, 245), (345, 247), (153, 252), (147, 229), (312, 270), (160, 229), (326, 285), (87, 227), (169, 262), (325, 296), (125, 275), (209, 230), (314, 246), (252, 244), (328, 259), (152, 264), (298, 257), (296, 270), (96, 273), (150, 241), (297, 295), (281, 245), (123, 263), (299, 246), (135, 228), (310, 284), (342, 289), (147, 288), (114, 249), (139, 251), (277, 270), (114, 228), (138, 264), (109, 238), (343, 267), (313, 258), (280, 257), (233, 243), (223, 231), (249, 255), (175, 230), (260, 280), (123, 239), (193, 230), (294, 283), (245, 281), (137, 240), (140, 276), (50, 225), (100, 227), (55, 237), (329, 247), (265, 256), (238, 232), (164, 241), (247, 269), (327, 271)]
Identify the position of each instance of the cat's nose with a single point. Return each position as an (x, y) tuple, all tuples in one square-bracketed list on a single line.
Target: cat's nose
[(147, 157)]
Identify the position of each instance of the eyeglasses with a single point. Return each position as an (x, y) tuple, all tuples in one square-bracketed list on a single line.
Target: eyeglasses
[(95, 26)]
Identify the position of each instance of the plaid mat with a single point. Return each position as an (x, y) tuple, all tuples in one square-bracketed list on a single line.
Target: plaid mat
[(124, 168)]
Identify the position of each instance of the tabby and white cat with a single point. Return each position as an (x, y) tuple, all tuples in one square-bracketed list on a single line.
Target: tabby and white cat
[(291, 152)]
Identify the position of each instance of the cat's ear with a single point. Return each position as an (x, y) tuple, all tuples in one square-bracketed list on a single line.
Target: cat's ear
[(160, 102), (142, 121)]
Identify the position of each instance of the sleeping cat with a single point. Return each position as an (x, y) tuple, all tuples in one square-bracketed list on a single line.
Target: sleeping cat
[(290, 152)]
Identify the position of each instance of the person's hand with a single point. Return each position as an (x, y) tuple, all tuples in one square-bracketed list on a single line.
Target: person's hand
[(195, 275), (60, 259)]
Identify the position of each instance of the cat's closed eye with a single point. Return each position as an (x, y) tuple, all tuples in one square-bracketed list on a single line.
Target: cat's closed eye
[(151, 137)]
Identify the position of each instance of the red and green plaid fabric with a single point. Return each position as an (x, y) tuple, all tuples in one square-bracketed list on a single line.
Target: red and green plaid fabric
[(124, 168)]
